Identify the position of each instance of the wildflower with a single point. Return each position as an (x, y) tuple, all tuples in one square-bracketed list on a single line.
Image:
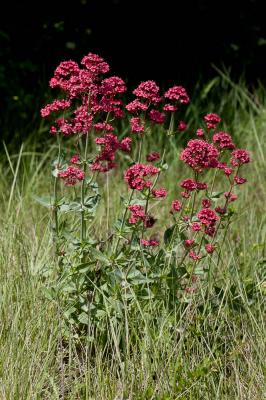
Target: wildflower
[(240, 157), (137, 213), (156, 116), (239, 181), (112, 86), (95, 64), (103, 126), (200, 154), (207, 217), (189, 242), (177, 93), (148, 90), (212, 120), (196, 226), (209, 248), (200, 132), (220, 210), (210, 230), (194, 255), (223, 140), (154, 156), (75, 159), (169, 107), (189, 184), (125, 144), (185, 195), (159, 193), (206, 203), (149, 242), (135, 106), (136, 125), (71, 175), (202, 186), (176, 205), (53, 130), (182, 126), (230, 196), (135, 175), (56, 105)]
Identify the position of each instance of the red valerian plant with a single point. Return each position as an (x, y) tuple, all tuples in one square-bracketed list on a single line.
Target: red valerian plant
[(133, 252)]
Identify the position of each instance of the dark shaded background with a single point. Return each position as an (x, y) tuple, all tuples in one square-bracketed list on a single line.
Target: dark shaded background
[(169, 41)]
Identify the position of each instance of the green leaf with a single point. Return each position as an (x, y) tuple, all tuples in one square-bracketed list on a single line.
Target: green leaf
[(46, 201), (99, 256), (168, 235)]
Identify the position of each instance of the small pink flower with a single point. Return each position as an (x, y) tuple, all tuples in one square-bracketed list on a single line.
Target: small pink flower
[(239, 181), (200, 154), (220, 210), (194, 255), (136, 176), (136, 125), (136, 106), (240, 157), (137, 213), (154, 156), (125, 144), (196, 226), (159, 193), (71, 175), (75, 159), (212, 120), (206, 203), (230, 196), (177, 93), (207, 217), (148, 90), (156, 116), (200, 132), (149, 242), (185, 195), (189, 242), (209, 248), (169, 107), (182, 126), (223, 140), (176, 205), (189, 184)]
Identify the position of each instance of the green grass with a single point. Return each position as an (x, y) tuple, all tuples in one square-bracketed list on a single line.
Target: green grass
[(211, 348)]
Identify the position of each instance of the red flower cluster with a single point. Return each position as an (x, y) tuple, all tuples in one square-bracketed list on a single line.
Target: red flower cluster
[(156, 116), (105, 159), (176, 205), (136, 125), (154, 156), (86, 85), (159, 193), (137, 213), (134, 176), (149, 242), (208, 217), (212, 120), (223, 140), (71, 175), (200, 155), (148, 91), (177, 94), (240, 157)]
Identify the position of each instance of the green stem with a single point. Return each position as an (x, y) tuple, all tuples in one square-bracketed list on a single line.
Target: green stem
[(83, 221), (56, 180)]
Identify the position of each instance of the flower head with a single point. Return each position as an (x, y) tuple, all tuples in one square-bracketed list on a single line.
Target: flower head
[(240, 157), (212, 120), (200, 154), (71, 175), (136, 176)]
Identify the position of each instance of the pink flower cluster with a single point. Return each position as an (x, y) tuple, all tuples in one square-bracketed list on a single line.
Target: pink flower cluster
[(71, 175), (86, 86), (200, 155), (104, 161), (212, 120), (136, 176)]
